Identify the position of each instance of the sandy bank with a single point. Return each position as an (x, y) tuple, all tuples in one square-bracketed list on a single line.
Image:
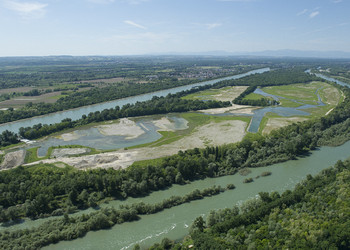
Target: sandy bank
[(13, 159), (207, 135), (68, 136), (61, 152), (164, 124), (274, 123), (116, 160), (125, 127), (234, 109)]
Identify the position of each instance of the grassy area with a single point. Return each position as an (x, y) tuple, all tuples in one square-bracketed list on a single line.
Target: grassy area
[(56, 97), (222, 94), (288, 103), (205, 94), (263, 124), (305, 93), (32, 155), (151, 162)]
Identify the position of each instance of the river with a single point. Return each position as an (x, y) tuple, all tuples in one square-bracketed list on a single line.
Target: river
[(75, 114), (174, 223)]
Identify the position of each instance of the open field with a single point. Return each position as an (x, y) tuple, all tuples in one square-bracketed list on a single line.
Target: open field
[(17, 90), (222, 94), (275, 123), (329, 95), (21, 101), (304, 93)]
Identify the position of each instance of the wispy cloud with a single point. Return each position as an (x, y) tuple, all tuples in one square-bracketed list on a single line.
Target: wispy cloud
[(27, 9), (313, 14), (213, 25), (135, 1), (235, 0), (302, 12), (135, 24), (337, 1), (101, 1)]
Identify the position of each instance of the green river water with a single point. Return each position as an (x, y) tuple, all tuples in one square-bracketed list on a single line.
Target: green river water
[(174, 223)]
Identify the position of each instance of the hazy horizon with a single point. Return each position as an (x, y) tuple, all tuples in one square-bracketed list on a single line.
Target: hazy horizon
[(141, 27)]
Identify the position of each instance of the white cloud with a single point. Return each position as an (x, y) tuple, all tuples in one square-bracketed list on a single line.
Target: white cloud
[(337, 1), (27, 9), (135, 24), (302, 12), (213, 25), (135, 1), (101, 1), (235, 0), (313, 14)]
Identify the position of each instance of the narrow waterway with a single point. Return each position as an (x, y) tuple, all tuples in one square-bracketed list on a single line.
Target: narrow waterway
[(75, 114), (279, 110)]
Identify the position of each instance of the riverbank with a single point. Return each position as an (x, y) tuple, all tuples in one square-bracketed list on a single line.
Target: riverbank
[(212, 134)]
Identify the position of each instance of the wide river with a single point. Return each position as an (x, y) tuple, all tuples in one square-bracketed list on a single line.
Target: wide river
[(174, 223)]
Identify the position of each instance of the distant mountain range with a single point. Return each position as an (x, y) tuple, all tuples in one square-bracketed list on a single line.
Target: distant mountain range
[(272, 53)]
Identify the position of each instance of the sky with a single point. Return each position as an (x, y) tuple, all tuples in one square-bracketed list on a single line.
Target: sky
[(134, 27)]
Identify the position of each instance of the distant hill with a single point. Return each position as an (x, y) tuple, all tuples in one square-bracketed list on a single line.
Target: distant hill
[(271, 53)]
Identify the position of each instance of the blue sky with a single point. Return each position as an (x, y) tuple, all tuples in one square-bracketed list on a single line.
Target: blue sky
[(129, 27)]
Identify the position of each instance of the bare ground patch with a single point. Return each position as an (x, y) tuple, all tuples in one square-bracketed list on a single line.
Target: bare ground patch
[(125, 127), (234, 109), (164, 124), (68, 136), (275, 123), (229, 94), (13, 159), (61, 152), (209, 134)]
